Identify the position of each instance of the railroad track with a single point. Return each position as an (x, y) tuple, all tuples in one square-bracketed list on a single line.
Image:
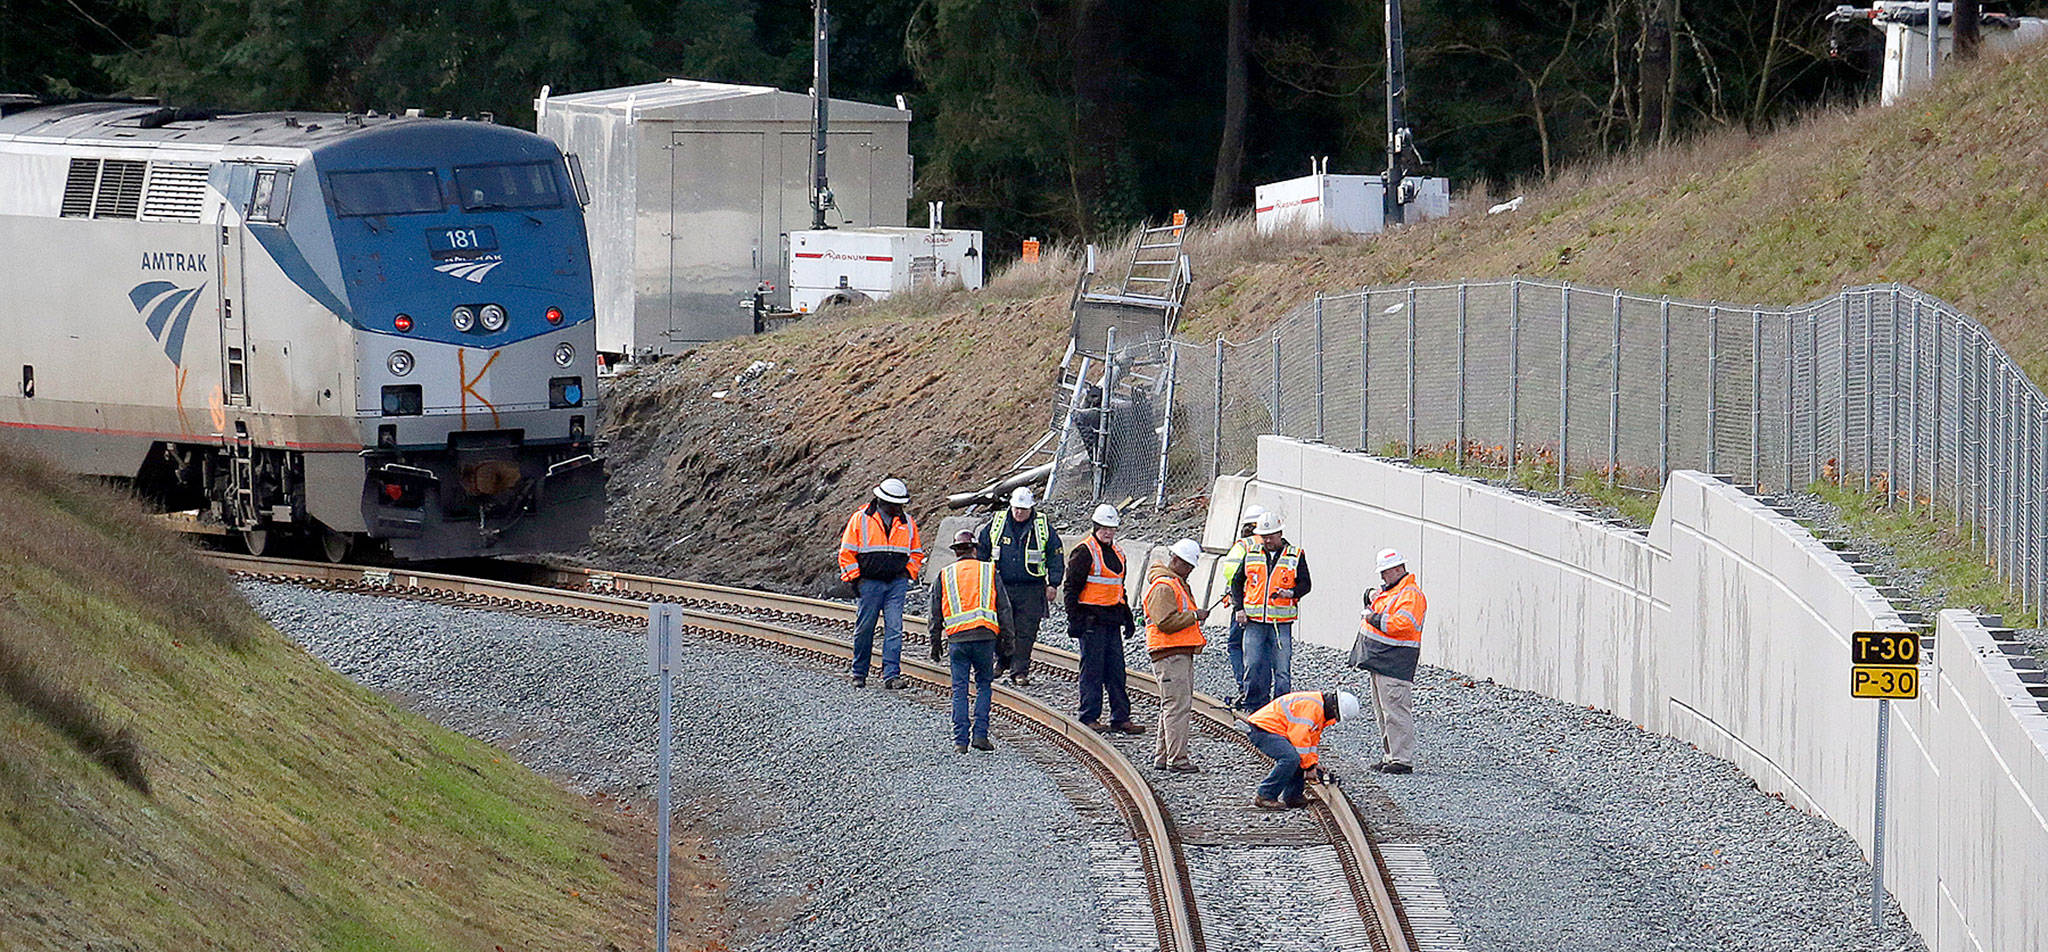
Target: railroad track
[(1366, 872), (574, 596)]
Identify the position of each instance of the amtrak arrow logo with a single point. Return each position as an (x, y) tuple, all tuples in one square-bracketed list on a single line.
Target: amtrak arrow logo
[(471, 269), (166, 310)]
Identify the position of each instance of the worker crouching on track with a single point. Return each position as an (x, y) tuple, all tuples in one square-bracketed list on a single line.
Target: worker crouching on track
[(968, 613), (1098, 619), (1288, 731), (880, 554), (1389, 645), (1173, 634), (1026, 551)]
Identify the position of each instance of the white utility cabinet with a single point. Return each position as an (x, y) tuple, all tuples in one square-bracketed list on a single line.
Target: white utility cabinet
[(1348, 203), (855, 265)]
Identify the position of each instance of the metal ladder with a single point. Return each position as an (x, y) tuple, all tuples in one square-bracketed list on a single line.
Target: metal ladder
[(1155, 263)]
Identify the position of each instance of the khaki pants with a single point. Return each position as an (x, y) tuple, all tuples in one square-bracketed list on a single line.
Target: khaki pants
[(1393, 700), (1176, 706)]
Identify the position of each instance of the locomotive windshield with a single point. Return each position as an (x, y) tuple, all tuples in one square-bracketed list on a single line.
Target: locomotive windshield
[(525, 185), (385, 192)]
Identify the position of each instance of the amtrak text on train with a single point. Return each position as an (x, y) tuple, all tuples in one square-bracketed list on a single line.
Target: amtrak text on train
[(172, 261)]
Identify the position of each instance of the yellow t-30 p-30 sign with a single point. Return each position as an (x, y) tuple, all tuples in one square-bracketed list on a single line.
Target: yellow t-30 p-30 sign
[(1884, 664)]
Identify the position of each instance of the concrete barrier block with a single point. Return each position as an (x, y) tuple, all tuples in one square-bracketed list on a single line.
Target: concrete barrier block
[(1228, 498), (1280, 461)]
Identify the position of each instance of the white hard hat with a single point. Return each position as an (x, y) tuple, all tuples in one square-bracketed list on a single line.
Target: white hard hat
[(1021, 498), (1390, 558), (1187, 550), (1105, 515), (1252, 513), (892, 490), (1347, 705), (1269, 523)]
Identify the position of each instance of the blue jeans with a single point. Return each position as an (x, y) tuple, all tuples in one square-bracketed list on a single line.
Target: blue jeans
[(979, 659), (1287, 778), (1268, 662), (882, 600)]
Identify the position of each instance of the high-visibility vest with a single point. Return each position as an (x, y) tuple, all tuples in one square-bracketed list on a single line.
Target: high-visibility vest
[(865, 533), (1103, 586), (969, 596), (1184, 601), (1401, 609), (1299, 717), (1260, 604), (1034, 557), (1233, 561)]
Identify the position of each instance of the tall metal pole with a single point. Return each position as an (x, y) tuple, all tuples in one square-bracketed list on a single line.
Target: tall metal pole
[(1664, 389), (663, 620), (1756, 397), (1364, 371), (821, 105), (1278, 430), (1564, 384), (1103, 413), (1397, 108), (1319, 366), (1933, 38), (1884, 737), (1514, 372), (1789, 391), (1166, 423), (1216, 424), (1614, 397), (1891, 429), (1913, 417), (1813, 470), (1461, 373), (1411, 371), (1713, 389)]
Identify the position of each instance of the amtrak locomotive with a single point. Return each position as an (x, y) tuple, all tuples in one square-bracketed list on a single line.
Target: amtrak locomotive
[(295, 325)]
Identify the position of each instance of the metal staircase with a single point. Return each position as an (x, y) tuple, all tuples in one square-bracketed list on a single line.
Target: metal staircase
[(1117, 373)]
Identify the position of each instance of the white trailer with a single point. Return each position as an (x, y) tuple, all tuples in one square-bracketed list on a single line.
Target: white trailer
[(1347, 203), (855, 265), (693, 188)]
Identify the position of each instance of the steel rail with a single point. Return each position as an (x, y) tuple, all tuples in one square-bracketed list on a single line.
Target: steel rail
[(1370, 881), (1172, 894)]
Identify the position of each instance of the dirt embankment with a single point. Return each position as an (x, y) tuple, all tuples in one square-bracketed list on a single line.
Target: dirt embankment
[(1942, 192)]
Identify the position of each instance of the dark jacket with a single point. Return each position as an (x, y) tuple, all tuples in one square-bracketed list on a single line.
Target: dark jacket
[(1009, 559), (1103, 616), (1258, 550), (936, 612)]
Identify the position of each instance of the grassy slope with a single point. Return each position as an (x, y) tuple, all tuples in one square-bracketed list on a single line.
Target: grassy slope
[(1943, 192), (288, 808)]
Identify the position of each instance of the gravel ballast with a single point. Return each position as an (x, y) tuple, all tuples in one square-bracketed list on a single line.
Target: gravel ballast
[(1557, 827), (846, 814)]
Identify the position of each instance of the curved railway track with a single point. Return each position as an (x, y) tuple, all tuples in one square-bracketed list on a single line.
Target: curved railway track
[(1172, 896), (1365, 870)]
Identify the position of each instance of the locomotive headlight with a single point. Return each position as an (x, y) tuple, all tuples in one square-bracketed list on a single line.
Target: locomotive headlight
[(565, 354), (400, 363), (464, 319), (492, 317)]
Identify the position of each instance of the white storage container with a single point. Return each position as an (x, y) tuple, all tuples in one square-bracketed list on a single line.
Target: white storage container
[(853, 265), (1348, 203)]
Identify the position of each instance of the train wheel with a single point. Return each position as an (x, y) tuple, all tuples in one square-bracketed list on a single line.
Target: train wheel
[(256, 541), (334, 546)]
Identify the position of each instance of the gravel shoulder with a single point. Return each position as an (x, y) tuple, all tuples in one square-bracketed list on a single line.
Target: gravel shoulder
[(1553, 826), (844, 818)]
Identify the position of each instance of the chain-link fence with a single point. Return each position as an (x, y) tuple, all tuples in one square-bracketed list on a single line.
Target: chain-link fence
[(1883, 387)]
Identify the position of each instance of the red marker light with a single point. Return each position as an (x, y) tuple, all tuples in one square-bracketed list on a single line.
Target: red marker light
[(403, 322), (554, 315), (393, 491)]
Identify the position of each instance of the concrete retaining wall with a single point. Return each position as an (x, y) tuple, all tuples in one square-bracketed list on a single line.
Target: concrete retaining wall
[(1727, 627)]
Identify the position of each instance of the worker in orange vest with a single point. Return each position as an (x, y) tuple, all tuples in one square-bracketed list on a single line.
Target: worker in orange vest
[(1173, 635), (1389, 645), (880, 554), (1098, 618), (969, 612), (1288, 730), (1267, 593)]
